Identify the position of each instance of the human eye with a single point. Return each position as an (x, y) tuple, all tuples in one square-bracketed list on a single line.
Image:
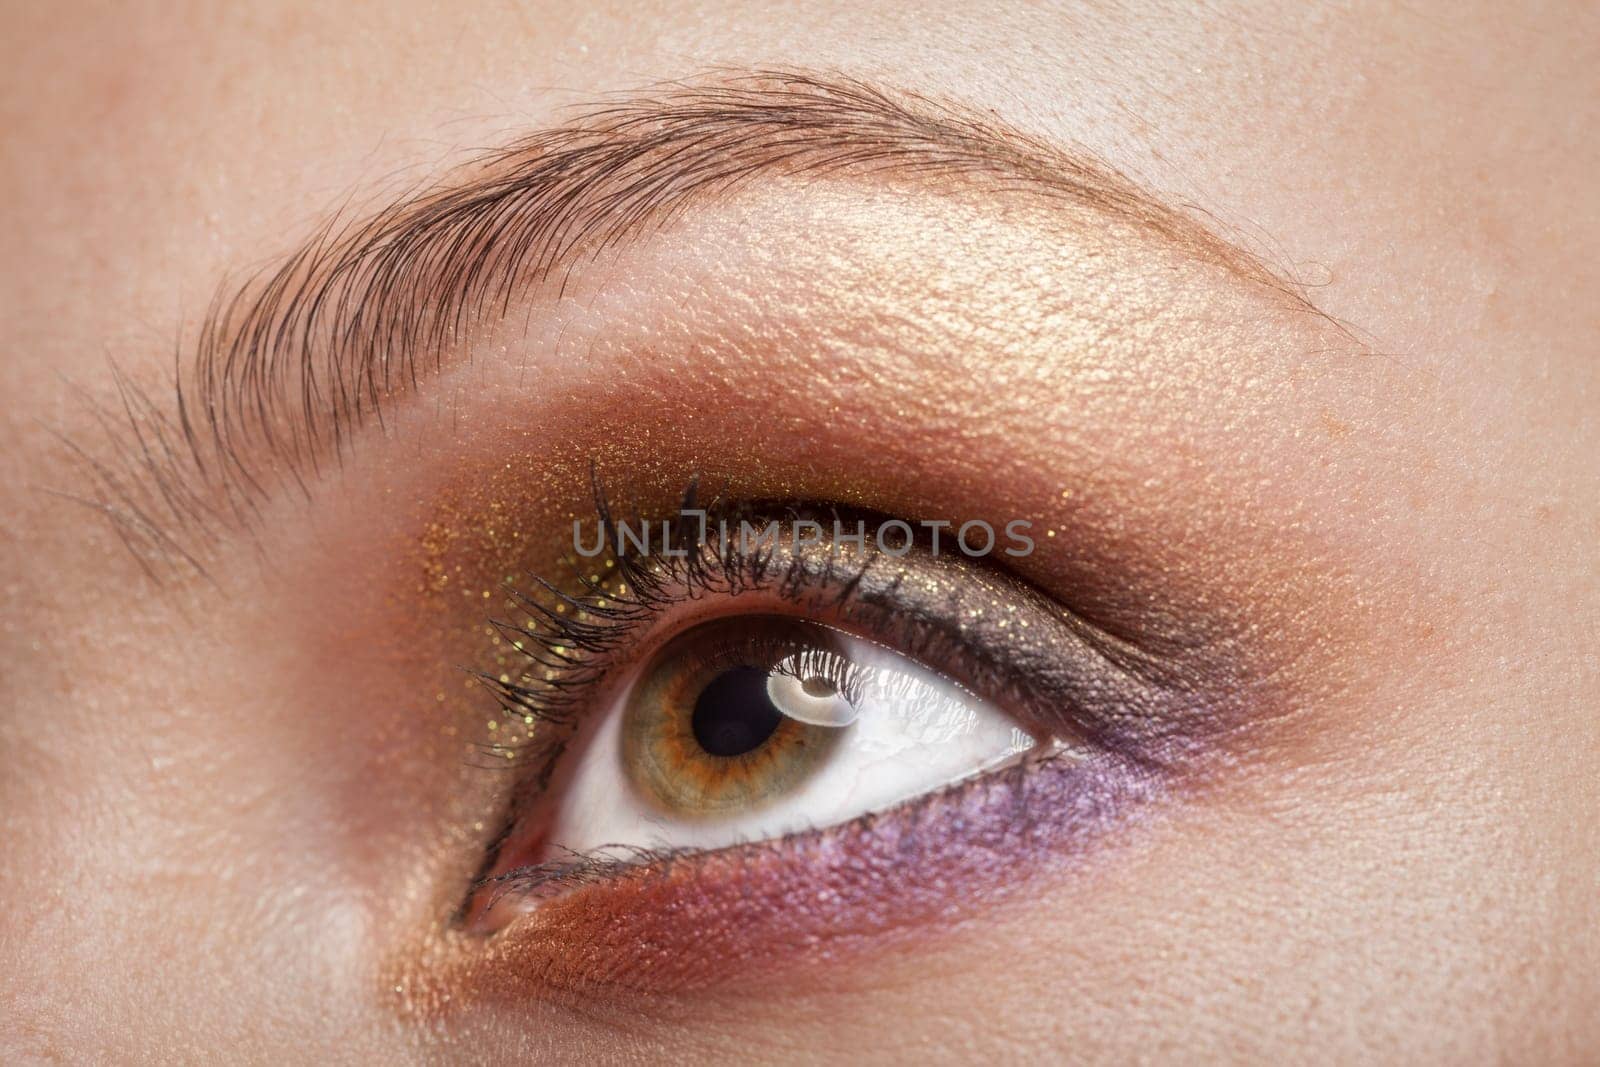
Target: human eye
[(763, 688), (753, 726)]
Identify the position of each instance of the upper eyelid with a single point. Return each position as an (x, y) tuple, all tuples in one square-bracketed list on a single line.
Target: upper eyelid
[(288, 365), (1136, 681)]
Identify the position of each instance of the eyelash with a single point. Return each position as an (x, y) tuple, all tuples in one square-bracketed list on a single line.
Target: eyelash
[(571, 637)]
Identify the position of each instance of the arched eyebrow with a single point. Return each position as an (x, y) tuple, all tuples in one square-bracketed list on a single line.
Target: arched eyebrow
[(289, 364)]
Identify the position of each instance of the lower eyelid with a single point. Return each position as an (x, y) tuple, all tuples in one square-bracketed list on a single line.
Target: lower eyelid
[(676, 923)]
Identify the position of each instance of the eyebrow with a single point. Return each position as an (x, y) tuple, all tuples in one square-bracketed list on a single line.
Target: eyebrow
[(290, 363)]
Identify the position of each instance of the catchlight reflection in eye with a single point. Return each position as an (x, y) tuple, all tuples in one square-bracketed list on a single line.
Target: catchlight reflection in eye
[(752, 727)]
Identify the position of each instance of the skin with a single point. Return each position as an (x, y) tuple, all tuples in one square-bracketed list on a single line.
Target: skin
[(230, 829)]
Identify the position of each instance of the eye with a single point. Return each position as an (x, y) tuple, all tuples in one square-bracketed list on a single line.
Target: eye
[(753, 727), (686, 700)]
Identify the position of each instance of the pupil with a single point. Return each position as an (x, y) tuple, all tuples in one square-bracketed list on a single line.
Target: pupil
[(733, 714)]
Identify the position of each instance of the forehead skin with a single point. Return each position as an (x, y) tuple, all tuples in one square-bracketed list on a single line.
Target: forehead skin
[(1429, 173)]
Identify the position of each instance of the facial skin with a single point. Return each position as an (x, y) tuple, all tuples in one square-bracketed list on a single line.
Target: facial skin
[(238, 817)]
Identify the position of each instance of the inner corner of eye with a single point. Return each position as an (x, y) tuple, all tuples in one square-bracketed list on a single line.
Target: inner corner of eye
[(757, 726)]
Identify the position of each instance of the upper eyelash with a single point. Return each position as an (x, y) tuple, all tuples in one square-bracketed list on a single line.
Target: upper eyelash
[(598, 619), (569, 635)]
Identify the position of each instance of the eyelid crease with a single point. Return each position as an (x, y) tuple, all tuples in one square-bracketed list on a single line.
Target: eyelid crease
[(291, 363)]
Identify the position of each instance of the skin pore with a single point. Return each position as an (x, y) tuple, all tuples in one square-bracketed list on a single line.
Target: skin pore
[(1350, 495)]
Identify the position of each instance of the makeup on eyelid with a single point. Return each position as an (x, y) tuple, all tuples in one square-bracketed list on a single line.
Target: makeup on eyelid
[(600, 920), (1020, 684), (497, 519)]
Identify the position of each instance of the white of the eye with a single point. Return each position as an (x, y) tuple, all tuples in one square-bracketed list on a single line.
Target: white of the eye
[(787, 691), (914, 732)]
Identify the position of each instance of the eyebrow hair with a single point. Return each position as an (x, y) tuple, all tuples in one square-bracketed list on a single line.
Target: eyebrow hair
[(291, 362)]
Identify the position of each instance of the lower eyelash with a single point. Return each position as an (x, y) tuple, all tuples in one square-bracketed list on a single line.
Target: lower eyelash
[(577, 870), (642, 923)]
